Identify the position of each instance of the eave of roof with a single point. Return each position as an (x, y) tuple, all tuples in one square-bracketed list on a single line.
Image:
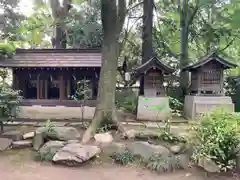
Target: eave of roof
[(154, 62), (206, 59), (54, 58)]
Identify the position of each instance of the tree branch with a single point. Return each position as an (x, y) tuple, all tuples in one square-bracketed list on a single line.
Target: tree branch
[(195, 10), (121, 14)]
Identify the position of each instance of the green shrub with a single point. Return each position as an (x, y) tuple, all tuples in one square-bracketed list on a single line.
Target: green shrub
[(6, 50), (123, 158), (171, 138), (49, 132), (43, 156), (163, 163), (9, 103), (127, 100), (217, 137), (176, 106)]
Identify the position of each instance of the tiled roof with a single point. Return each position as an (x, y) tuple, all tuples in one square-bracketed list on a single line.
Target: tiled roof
[(54, 58)]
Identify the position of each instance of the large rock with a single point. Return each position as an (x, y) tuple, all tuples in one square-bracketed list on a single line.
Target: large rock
[(113, 148), (60, 133), (5, 143), (146, 150), (38, 139), (75, 154), (57, 133), (22, 144), (208, 165), (130, 134), (28, 135), (177, 149), (103, 138), (51, 147), (14, 135)]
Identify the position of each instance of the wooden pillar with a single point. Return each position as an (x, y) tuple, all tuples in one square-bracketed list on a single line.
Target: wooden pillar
[(38, 86), (68, 87), (14, 79), (61, 89), (45, 88)]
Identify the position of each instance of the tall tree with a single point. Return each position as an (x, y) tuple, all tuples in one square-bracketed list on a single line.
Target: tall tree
[(147, 40), (113, 14)]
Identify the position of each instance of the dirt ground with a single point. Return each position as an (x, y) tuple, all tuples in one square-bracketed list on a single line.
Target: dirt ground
[(20, 166)]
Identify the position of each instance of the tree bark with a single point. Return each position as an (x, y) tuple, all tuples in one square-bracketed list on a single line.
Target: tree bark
[(147, 43), (106, 109), (184, 76)]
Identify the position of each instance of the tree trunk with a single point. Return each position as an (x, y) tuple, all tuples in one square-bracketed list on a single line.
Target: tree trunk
[(60, 38), (184, 76), (147, 44), (106, 109)]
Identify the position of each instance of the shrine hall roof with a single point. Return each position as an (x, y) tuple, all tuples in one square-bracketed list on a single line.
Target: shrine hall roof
[(154, 62), (54, 58), (206, 59)]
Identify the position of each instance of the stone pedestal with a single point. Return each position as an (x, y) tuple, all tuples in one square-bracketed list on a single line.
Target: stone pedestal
[(153, 108), (196, 105)]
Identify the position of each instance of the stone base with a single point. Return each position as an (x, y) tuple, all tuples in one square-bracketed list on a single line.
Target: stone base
[(55, 112), (153, 108), (196, 105)]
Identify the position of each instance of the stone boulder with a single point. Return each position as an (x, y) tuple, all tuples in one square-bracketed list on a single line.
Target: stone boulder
[(103, 138), (14, 135), (177, 149), (56, 133), (60, 133), (75, 154), (146, 150), (208, 165), (5, 143), (28, 135), (51, 147), (113, 148), (22, 144), (130, 134), (38, 139)]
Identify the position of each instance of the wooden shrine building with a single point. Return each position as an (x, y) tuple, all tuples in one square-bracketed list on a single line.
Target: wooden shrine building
[(207, 75), (49, 77), (206, 89), (153, 72)]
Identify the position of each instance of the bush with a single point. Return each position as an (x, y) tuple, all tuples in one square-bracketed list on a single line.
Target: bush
[(6, 50), (166, 163), (127, 100), (9, 106), (123, 158), (216, 137), (176, 106)]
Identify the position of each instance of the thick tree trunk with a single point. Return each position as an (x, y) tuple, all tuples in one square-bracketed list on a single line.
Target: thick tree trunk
[(184, 76), (147, 44), (106, 109)]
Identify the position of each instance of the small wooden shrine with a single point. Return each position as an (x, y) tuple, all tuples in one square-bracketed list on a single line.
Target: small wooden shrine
[(153, 71), (206, 89), (154, 96), (207, 75)]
